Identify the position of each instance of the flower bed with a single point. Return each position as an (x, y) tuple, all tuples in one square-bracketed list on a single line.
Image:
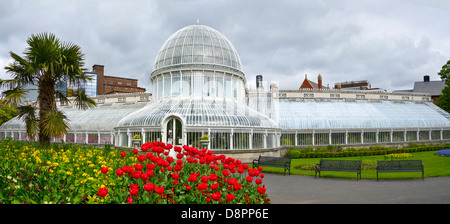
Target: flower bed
[(444, 152), (72, 174)]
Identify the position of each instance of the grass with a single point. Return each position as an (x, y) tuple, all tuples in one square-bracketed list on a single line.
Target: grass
[(435, 166)]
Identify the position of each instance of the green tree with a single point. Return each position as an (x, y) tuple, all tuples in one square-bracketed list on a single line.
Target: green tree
[(6, 113), (444, 100), (46, 61)]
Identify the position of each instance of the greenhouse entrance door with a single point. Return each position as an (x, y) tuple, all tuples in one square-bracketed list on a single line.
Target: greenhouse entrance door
[(174, 132)]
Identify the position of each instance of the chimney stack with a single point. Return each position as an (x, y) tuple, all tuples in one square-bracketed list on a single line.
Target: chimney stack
[(426, 78), (319, 79), (99, 69), (259, 80)]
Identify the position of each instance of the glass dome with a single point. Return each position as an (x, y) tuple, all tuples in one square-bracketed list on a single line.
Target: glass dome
[(198, 44), (198, 61)]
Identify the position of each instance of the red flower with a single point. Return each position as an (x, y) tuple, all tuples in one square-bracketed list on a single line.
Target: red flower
[(150, 166), (188, 188), (216, 196), (136, 174), (202, 186), (230, 197), (134, 191), (102, 192), (138, 167), (149, 173), (127, 169), (144, 147), (225, 173), (261, 190), (249, 179), (123, 154), (119, 172), (214, 186), (130, 200), (175, 176), (159, 190), (232, 181), (258, 181), (104, 169), (144, 177), (192, 177), (141, 158), (213, 177), (135, 151), (178, 167), (149, 187), (204, 179)]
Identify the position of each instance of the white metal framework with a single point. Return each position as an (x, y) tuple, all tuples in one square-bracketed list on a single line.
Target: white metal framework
[(199, 88)]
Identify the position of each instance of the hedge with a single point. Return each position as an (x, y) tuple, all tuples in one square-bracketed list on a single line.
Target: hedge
[(296, 153)]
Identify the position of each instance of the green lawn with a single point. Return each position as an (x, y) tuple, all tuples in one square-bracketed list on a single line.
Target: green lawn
[(435, 166)]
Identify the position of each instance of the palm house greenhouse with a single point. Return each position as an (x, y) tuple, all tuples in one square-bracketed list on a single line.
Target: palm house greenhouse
[(199, 88)]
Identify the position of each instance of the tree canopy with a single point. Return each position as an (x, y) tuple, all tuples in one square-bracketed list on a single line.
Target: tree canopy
[(444, 100), (46, 62)]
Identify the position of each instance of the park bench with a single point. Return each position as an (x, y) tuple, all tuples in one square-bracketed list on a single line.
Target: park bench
[(400, 166), (273, 161), (339, 165)]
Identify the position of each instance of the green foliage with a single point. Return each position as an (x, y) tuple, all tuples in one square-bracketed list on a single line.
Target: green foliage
[(328, 152), (46, 61), (7, 113), (444, 100)]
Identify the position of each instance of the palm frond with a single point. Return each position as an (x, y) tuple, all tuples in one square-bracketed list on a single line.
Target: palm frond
[(55, 124), (28, 114), (83, 101), (13, 97), (62, 98)]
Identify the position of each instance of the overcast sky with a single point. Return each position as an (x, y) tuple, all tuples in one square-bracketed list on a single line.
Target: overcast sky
[(391, 43)]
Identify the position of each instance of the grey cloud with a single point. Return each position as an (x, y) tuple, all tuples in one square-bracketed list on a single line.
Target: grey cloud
[(390, 43)]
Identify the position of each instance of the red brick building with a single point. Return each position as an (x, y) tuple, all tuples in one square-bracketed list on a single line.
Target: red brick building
[(308, 84), (113, 85)]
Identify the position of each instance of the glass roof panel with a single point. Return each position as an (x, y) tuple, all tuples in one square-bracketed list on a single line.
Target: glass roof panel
[(198, 112), (337, 114)]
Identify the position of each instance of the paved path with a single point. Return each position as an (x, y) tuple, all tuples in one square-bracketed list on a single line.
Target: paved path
[(294, 189)]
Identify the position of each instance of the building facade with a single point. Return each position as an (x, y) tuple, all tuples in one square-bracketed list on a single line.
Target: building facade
[(113, 84), (200, 88)]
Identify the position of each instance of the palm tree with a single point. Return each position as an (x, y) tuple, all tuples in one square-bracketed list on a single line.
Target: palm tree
[(46, 62)]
